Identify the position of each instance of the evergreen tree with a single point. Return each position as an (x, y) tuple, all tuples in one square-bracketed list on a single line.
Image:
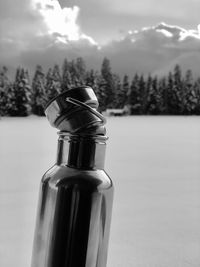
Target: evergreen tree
[(152, 96), (74, 74), (118, 101), (107, 76), (172, 94), (142, 95), (21, 101), (80, 71), (170, 99), (90, 78), (121, 91), (100, 91), (190, 94), (197, 93), (38, 88), (53, 83), (125, 90), (148, 93), (134, 96), (57, 77), (66, 83), (177, 92), (97, 83), (6, 91), (50, 89), (148, 85), (49, 85), (155, 98), (162, 88)]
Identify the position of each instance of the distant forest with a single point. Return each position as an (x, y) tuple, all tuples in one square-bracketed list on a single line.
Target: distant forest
[(173, 94)]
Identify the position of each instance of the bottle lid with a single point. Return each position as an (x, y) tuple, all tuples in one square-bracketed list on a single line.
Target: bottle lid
[(75, 111)]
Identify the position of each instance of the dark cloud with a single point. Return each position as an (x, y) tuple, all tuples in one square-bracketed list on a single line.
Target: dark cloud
[(24, 30), (150, 50), (19, 24), (26, 39), (18, 17), (155, 50), (104, 19)]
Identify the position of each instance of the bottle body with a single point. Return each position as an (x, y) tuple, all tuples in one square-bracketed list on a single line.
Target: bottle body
[(76, 195), (73, 220)]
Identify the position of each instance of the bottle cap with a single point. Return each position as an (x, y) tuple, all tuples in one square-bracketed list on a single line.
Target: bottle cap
[(75, 111)]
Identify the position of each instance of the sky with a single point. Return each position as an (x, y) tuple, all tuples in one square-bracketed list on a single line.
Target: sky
[(143, 36), (106, 19)]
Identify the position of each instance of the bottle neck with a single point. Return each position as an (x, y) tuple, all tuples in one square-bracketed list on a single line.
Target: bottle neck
[(81, 152)]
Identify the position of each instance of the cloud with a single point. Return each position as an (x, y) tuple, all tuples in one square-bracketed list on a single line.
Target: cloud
[(56, 19), (19, 21), (164, 34), (153, 49), (36, 26), (42, 32)]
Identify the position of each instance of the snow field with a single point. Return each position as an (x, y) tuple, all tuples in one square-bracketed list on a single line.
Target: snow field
[(154, 164)]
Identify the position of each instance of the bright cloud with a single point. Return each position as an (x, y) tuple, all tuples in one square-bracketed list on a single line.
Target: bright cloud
[(32, 30), (155, 50), (61, 21), (58, 20), (42, 32), (163, 36), (36, 24), (165, 32), (178, 32)]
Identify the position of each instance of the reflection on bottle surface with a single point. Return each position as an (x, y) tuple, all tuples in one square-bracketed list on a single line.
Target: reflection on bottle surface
[(73, 219)]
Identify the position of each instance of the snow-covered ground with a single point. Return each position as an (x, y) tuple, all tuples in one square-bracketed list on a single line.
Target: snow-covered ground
[(155, 165)]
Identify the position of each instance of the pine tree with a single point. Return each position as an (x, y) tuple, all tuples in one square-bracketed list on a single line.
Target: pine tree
[(148, 93), (38, 88), (162, 88), (177, 91), (148, 84), (53, 83), (154, 98), (80, 71), (142, 95), (66, 82), (190, 94), (151, 98), (90, 78), (50, 90), (21, 102), (125, 89), (118, 101), (74, 74), (172, 94), (107, 76), (134, 96), (6, 90), (97, 83), (57, 78), (100, 91), (197, 93), (170, 100)]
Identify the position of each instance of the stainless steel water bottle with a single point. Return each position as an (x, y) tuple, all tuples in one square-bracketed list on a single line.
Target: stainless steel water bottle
[(76, 194)]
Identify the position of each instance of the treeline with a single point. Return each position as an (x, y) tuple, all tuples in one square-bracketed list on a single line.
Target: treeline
[(173, 94)]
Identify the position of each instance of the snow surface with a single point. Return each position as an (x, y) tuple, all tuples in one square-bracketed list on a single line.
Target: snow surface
[(154, 163)]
